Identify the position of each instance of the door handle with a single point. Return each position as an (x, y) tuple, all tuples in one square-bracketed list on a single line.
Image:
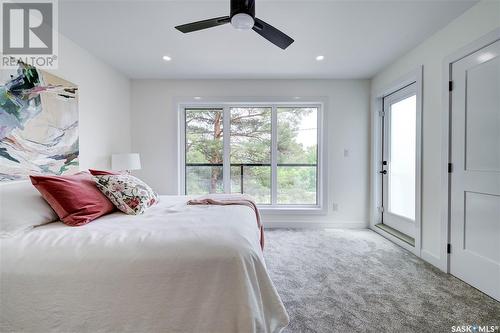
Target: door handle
[(384, 172)]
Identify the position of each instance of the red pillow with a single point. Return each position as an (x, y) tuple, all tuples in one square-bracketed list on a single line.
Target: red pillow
[(75, 198), (102, 172)]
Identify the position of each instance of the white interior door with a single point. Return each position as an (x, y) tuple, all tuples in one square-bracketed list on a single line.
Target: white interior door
[(475, 177), (400, 160)]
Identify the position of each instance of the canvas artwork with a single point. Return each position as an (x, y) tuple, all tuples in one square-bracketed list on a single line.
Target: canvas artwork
[(38, 125)]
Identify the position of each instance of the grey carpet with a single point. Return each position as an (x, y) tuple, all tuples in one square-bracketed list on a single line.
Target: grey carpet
[(357, 281)]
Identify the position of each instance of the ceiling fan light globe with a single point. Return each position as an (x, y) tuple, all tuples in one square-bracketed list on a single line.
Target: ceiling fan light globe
[(242, 21)]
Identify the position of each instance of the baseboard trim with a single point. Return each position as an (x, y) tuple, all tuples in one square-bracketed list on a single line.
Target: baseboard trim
[(314, 225), (433, 260)]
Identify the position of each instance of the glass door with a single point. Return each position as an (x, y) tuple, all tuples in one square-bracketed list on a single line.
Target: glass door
[(399, 160)]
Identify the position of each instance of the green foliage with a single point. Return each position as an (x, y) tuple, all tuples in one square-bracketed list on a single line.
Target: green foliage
[(250, 135), (289, 150), (204, 136), (297, 185)]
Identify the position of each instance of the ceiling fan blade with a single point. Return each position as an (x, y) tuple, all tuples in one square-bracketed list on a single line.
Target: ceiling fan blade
[(272, 34), (205, 24)]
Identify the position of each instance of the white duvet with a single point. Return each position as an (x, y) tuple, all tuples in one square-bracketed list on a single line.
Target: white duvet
[(176, 268)]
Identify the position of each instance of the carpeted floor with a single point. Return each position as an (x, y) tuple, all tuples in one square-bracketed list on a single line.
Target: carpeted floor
[(357, 281)]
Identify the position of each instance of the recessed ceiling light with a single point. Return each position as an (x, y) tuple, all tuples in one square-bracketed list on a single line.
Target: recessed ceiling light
[(296, 97), (167, 58), (320, 58), (197, 97)]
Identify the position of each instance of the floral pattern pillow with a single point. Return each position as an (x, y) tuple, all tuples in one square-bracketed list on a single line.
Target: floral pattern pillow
[(128, 193)]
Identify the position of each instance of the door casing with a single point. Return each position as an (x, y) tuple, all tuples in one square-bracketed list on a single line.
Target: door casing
[(443, 262)]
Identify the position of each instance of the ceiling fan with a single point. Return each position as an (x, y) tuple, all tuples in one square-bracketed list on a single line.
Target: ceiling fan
[(242, 18)]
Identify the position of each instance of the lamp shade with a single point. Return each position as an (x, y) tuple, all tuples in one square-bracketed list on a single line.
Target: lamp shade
[(121, 162)]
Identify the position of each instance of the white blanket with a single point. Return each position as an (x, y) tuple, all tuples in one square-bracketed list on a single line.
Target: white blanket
[(177, 268)]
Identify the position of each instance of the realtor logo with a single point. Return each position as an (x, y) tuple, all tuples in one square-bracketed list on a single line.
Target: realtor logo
[(29, 33)]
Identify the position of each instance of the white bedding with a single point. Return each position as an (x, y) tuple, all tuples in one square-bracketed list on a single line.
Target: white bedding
[(176, 268)]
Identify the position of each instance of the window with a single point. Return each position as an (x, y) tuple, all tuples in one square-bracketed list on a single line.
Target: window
[(250, 151), (270, 152), (402, 152), (297, 156), (204, 151)]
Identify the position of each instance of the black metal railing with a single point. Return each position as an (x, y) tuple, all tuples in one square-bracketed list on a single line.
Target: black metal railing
[(243, 165)]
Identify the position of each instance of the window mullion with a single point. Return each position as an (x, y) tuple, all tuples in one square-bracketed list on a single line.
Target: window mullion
[(274, 155), (226, 166), (182, 152)]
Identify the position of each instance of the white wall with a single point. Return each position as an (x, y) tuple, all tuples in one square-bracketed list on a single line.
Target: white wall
[(155, 134), (104, 104), (476, 22)]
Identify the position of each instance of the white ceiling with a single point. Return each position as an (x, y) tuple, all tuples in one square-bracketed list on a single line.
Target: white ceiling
[(357, 38)]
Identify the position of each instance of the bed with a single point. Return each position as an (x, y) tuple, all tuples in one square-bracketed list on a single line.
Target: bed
[(176, 268)]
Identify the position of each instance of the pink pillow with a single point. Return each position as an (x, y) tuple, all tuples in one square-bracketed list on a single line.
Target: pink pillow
[(102, 172), (75, 198)]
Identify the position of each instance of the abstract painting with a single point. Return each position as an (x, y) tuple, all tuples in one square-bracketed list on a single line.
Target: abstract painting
[(38, 125)]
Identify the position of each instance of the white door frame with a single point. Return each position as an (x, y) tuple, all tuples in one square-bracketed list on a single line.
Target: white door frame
[(396, 221), (443, 262), (376, 158)]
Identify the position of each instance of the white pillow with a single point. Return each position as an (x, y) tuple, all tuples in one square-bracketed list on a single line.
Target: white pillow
[(22, 208)]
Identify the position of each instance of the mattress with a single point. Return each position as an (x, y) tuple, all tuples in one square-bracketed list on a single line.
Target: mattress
[(176, 268)]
